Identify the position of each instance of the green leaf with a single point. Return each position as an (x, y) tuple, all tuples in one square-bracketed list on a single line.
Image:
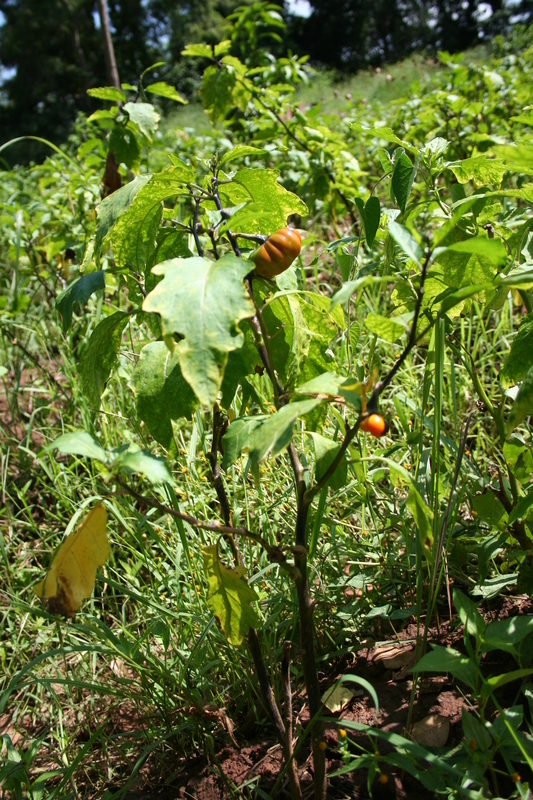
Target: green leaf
[(402, 180), (144, 116), (475, 732), (519, 458), (301, 326), (518, 157), (511, 631), (203, 301), (78, 292), (219, 92), (372, 219), (523, 404), (520, 511), (236, 440), (135, 460), (325, 383), (107, 93), (125, 145), (325, 452), (370, 216), (134, 234), (384, 327), (275, 433), (347, 289), (274, 202), (198, 51), (493, 250), (79, 443), (240, 151), (496, 682), (388, 135), (446, 659), (423, 517), (469, 615), (479, 169), (229, 597), (489, 508), (101, 353), (110, 209), (163, 89), (406, 241), (520, 359), (161, 391)]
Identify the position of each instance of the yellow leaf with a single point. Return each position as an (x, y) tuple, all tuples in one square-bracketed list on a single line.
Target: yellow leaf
[(73, 572)]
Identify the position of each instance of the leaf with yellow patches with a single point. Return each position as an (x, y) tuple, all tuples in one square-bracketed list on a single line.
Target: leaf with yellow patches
[(229, 597), (72, 575)]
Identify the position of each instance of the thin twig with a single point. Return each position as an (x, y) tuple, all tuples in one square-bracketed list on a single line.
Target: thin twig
[(194, 226)]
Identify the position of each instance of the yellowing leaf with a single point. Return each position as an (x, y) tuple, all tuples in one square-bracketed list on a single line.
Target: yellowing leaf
[(229, 597), (73, 572), (336, 697)]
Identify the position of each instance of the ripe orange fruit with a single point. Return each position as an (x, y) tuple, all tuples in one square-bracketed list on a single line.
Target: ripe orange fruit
[(277, 253), (374, 424)]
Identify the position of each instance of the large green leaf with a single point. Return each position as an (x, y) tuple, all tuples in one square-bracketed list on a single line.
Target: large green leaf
[(229, 597), (144, 116), (469, 615), (139, 461), (370, 215), (446, 659), (275, 433), (129, 458), (325, 452), (134, 234), (78, 292), (161, 391), (301, 326), (520, 359), (523, 404), (123, 142), (423, 517), (107, 93), (406, 241), (203, 301), (219, 91), (511, 631), (240, 151), (101, 353), (162, 89), (384, 327), (521, 509), (110, 209), (79, 443), (402, 180), (236, 440), (493, 250), (272, 202), (516, 156), (479, 169)]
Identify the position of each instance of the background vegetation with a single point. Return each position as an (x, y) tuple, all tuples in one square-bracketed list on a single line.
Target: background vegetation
[(144, 685)]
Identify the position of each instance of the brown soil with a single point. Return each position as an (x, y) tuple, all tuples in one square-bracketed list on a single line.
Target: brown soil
[(215, 778)]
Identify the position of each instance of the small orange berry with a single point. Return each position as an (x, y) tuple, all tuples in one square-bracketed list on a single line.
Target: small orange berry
[(383, 779), (515, 777), (341, 733), (374, 424)]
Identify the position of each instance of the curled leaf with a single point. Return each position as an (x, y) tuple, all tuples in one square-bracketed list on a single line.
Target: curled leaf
[(72, 575)]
